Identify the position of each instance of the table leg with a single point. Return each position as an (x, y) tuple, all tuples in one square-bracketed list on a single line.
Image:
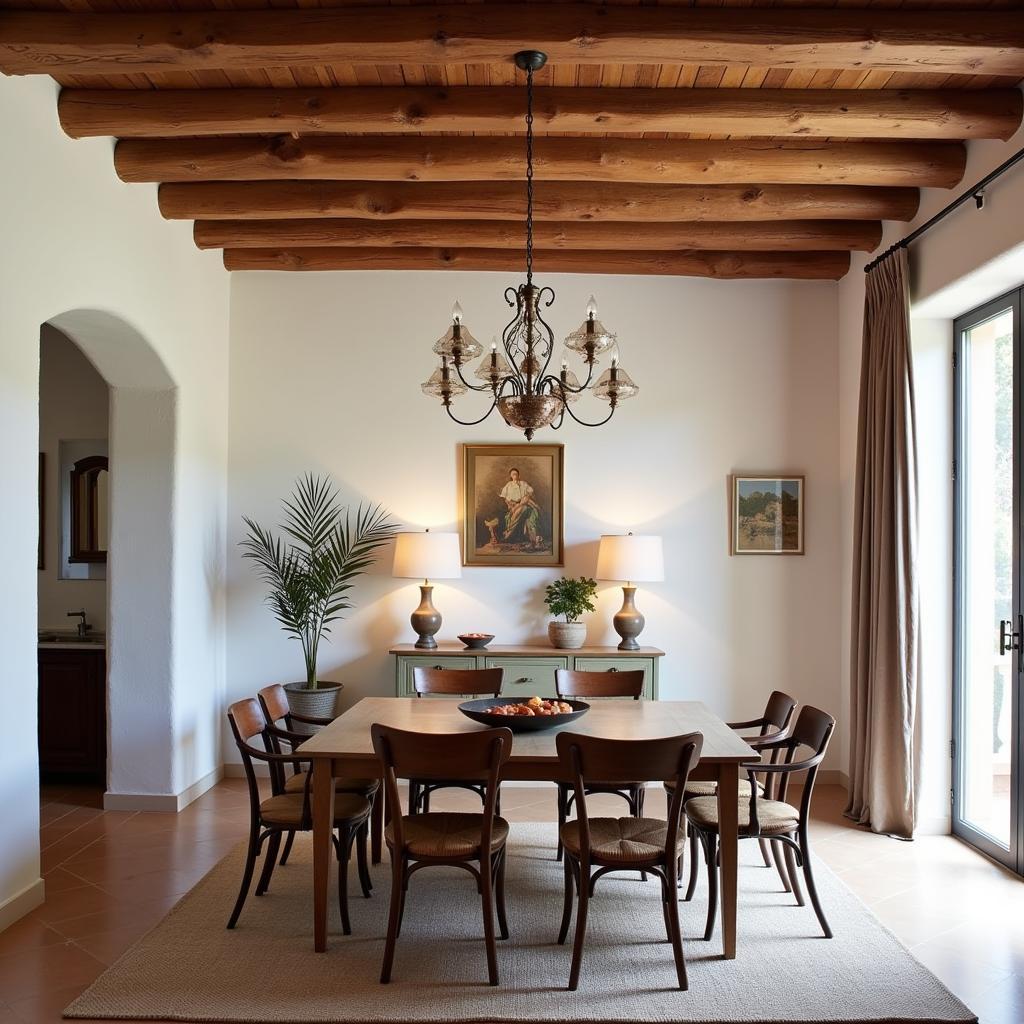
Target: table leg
[(323, 847), (377, 827), (728, 831)]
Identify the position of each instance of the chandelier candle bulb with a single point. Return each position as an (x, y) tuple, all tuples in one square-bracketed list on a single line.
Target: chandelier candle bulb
[(526, 395)]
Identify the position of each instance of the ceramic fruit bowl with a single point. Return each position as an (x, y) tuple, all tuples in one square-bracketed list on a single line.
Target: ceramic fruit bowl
[(476, 641), (483, 711)]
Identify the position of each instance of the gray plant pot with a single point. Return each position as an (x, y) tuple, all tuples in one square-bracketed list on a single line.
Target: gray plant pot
[(567, 635), (319, 703)]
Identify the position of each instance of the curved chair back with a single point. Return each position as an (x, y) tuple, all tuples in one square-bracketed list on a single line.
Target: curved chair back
[(464, 756), (589, 760), (247, 721), (471, 682), (274, 702), (813, 733), (612, 683), (778, 712)]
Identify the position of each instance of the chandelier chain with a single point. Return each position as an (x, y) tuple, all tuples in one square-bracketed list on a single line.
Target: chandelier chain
[(529, 176)]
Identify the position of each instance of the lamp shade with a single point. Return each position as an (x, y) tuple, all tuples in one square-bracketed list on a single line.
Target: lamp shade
[(633, 558), (427, 556)]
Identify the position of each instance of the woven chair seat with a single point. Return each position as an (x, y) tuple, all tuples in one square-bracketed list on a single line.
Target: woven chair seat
[(447, 834), (619, 841), (364, 787), (774, 816), (286, 809), (710, 788)]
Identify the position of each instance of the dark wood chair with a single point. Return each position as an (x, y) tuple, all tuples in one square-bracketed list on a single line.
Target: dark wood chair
[(613, 683), (774, 820), (472, 682), (287, 813), (773, 724), (628, 843), (274, 702), (474, 842)]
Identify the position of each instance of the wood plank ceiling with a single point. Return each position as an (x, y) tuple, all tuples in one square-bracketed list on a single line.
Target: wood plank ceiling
[(674, 137)]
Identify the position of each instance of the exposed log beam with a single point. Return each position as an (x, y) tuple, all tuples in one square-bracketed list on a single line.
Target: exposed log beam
[(761, 236), (946, 42), (828, 266), (386, 158), (801, 113), (561, 201)]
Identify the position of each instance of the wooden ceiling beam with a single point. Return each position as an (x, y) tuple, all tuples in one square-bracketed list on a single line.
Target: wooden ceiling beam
[(798, 113), (386, 158), (828, 266), (762, 236), (943, 42), (561, 201)]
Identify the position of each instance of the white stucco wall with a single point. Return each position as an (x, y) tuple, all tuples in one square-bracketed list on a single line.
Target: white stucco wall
[(325, 375), (74, 238)]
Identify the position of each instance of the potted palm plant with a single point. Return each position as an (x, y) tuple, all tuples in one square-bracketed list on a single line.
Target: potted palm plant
[(569, 598), (310, 572)]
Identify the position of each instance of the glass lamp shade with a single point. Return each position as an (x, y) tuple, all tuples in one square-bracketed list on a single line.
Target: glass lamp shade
[(489, 369), (590, 332), (615, 383), (529, 412), (470, 348), (427, 556), (571, 392), (635, 558), (436, 386)]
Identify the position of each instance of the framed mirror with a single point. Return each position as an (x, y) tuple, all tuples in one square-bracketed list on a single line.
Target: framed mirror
[(90, 508)]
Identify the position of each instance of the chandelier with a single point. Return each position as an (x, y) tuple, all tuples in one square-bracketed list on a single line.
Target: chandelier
[(518, 378)]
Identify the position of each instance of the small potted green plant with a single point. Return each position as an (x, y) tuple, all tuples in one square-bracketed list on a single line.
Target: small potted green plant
[(569, 598), (310, 573)]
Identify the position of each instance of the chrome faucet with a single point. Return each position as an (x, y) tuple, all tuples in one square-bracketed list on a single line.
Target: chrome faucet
[(83, 626)]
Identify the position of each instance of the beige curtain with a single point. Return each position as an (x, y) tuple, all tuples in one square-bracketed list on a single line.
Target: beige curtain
[(884, 662)]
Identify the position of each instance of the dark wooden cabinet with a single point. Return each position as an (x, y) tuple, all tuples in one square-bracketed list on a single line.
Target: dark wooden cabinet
[(72, 714)]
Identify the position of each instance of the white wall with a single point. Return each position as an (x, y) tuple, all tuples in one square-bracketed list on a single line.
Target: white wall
[(325, 374), (970, 257), (74, 403), (74, 238)]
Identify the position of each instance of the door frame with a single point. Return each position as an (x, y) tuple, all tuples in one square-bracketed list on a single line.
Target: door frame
[(1014, 858)]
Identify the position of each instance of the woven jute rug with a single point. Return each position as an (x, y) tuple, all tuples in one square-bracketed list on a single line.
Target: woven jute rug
[(190, 968)]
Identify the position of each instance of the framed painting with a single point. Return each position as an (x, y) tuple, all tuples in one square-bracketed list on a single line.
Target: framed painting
[(512, 504), (767, 514)]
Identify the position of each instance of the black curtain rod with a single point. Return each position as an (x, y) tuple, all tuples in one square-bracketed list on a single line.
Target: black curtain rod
[(976, 192)]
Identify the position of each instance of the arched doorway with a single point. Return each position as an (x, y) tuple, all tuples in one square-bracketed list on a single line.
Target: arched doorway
[(140, 605)]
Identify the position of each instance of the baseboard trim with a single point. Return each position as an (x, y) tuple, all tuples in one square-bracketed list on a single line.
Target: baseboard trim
[(21, 903), (167, 803)]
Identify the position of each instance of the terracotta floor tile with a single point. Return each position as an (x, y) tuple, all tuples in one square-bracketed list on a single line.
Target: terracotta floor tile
[(116, 915), (110, 945), (86, 899), (28, 933), (32, 971), (46, 1007)]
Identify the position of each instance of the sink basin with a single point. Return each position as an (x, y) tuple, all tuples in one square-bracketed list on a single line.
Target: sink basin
[(72, 638)]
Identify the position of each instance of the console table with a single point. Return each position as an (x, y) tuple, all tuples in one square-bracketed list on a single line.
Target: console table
[(529, 668)]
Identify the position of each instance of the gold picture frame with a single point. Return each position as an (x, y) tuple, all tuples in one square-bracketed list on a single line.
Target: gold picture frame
[(513, 505), (766, 514)]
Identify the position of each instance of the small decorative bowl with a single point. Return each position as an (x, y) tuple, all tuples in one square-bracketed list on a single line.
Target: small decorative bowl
[(476, 641)]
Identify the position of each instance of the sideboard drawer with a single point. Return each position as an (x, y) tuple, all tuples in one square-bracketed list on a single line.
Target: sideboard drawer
[(528, 677), (407, 664), (623, 665)]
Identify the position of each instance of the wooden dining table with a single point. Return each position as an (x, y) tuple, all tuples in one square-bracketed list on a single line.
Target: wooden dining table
[(343, 750)]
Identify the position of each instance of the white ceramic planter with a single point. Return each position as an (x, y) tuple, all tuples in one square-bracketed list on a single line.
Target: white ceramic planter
[(567, 635)]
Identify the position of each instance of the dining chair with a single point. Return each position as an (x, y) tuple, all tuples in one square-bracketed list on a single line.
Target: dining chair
[(774, 820), (274, 702), (287, 813), (773, 724), (474, 842), (628, 843), (471, 682), (611, 683)]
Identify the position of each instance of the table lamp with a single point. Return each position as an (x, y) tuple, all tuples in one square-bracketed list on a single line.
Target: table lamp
[(427, 556), (630, 559)]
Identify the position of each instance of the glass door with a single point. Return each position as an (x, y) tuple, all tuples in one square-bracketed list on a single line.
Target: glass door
[(987, 566)]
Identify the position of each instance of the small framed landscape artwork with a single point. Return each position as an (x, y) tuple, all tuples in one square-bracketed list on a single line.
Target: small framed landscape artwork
[(512, 504), (767, 514)]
